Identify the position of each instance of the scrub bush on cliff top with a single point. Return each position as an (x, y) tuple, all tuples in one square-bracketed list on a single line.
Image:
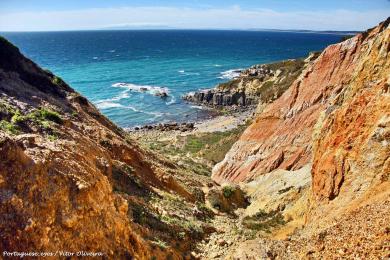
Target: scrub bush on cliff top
[(9, 127)]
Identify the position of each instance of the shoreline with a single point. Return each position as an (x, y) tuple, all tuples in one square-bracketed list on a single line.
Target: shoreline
[(224, 123), (232, 103), (216, 121)]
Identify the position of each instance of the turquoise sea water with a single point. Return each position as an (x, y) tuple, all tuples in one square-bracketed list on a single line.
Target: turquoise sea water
[(120, 71)]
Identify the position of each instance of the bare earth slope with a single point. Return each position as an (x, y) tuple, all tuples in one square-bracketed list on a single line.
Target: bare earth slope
[(281, 136), (62, 165), (337, 117)]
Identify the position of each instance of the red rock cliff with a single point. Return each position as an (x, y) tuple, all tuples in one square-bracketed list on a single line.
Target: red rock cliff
[(353, 71)]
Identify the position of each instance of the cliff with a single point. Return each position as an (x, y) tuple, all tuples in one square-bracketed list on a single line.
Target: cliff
[(333, 123), (351, 138), (313, 168), (69, 178), (281, 136)]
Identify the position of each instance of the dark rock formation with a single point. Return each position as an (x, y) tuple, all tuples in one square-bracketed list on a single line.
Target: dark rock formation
[(183, 127), (262, 83), (217, 98)]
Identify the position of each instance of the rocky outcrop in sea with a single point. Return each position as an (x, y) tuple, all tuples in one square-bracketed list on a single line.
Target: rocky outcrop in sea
[(261, 83), (174, 126), (217, 98)]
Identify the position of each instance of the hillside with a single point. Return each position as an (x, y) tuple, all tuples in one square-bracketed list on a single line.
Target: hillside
[(307, 177), (332, 125), (71, 180), (280, 137)]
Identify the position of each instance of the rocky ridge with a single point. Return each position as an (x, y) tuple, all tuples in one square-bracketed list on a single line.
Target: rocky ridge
[(258, 84)]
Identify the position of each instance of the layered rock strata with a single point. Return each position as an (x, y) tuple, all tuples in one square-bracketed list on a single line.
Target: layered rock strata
[(335, 116), (281, 136)]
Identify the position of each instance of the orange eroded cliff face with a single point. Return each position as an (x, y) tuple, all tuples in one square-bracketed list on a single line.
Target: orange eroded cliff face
[(352, 136), (337, 117), (68, 176), (281, 136)]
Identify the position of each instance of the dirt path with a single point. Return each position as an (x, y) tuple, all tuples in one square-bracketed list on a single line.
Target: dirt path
[(229, 234)]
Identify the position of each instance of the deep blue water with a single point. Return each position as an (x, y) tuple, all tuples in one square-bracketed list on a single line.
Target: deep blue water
[(93, 62)]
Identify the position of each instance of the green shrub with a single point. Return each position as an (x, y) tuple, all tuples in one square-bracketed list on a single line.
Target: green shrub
[(139, 214), (57, 80), (161, 244), (52, 137), (18, 118), (228, 191), (50, 115), (45, 124), (215, 202), (206, 211), (264, 221), (6, 108), (9, 127), (44, 116)]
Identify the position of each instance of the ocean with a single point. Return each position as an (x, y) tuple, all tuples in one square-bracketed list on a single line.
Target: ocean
[(121, 71)]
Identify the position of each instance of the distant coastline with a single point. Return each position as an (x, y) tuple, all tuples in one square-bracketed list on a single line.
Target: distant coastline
[(194, 29)]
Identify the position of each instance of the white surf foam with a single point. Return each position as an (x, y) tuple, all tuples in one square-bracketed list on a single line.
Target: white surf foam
[(230, 74), (153, 90), (197, 107), (107, 104), (123, 95), (172, 101), (104, 104)]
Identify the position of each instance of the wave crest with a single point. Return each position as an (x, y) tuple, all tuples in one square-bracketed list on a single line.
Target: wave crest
[(230, 74), (153, 90)]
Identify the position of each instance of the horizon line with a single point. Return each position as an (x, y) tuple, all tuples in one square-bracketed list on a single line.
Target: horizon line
[(195, 29)]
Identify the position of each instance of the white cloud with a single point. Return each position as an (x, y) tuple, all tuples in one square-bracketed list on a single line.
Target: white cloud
[(232, 17)]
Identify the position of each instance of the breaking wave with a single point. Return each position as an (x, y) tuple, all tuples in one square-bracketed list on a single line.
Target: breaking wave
[(104, 104), (172, 101), (230, 74), (153, 90)]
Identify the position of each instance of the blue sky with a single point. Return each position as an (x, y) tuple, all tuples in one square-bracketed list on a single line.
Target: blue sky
[(41, 15)]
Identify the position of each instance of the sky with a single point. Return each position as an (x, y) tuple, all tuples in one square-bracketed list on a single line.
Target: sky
[(49, 15)]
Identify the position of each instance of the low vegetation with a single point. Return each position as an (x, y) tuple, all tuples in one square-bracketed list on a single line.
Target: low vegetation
[(14, 122), (228, 191), (211, 146), (47, 114), (267, 87), (197, 152), (9, 127), (57, 81), (264, 221)]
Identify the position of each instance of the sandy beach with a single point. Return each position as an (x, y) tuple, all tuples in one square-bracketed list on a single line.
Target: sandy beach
[(218, 123)]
